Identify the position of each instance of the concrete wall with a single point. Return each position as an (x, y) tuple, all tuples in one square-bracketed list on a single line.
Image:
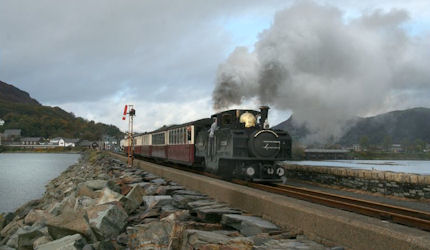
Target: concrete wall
[(388, 183)]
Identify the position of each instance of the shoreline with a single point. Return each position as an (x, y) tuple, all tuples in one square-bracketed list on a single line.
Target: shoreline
[(99, 203), (38, 190)]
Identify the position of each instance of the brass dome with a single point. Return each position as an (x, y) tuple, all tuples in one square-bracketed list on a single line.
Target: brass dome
[(249, 119)]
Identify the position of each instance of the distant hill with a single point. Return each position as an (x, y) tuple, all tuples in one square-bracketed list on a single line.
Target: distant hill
[(403, 126), (9, 93), (296, 130), (20, 111), (397, 127)]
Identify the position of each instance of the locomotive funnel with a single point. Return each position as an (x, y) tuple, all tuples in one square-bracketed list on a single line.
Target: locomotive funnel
[(264, 111)]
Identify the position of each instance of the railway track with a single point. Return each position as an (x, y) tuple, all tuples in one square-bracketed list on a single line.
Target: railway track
[(397, 214), (401, 215)]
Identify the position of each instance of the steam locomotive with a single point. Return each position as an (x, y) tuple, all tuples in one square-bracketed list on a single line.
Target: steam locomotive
[(232, 144)]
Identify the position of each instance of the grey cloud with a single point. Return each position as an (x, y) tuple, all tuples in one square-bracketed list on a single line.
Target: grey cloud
[(64, 51), (327, 70)]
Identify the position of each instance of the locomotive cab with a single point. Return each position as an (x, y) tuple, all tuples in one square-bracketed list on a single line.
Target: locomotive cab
[(239, 144)]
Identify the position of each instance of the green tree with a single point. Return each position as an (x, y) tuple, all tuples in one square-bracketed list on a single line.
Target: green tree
[(364, 142), (387, 142)]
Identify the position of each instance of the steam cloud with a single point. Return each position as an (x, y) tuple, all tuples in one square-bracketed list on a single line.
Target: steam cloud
[(325, 69)]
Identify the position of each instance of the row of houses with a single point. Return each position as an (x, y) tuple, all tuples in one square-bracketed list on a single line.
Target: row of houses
[(12, 137)]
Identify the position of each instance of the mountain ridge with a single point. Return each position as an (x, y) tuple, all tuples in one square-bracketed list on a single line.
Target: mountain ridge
[(10, 93), (398, 127), (20, 111)]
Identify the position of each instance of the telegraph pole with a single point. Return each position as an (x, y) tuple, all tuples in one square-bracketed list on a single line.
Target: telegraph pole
[(131, 114)]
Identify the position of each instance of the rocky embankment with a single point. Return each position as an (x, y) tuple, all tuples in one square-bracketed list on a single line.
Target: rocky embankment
[(101, 204)]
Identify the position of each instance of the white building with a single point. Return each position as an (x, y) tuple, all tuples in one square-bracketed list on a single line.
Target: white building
[(58, 141)]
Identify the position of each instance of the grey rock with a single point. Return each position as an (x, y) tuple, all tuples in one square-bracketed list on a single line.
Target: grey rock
[(107, 220), (290, 244), (248, 225), (188, 192), (214, 213), (181, 201), (156, 201), (108, 195), (41, 240), (201, 203), (5, 219), (25, 236), (197, 239), (70, 242), (6, 248), (153, 235), (88, 247), (84, 202), (170, 189), (159, 181), (95, 184), (133, 199), (69, 223)]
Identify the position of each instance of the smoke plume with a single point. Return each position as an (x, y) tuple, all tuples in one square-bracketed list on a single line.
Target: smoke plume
[(325, 69)]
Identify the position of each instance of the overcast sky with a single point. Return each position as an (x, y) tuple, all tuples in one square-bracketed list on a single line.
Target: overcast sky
[(92, 57)]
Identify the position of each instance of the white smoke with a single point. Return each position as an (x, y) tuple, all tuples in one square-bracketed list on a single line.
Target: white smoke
[(327, 70)]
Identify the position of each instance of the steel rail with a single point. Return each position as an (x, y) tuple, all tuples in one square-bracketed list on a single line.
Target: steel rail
[(401, 215)]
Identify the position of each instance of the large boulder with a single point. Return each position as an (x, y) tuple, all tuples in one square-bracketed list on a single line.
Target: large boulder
[(36, 215), (107, 220), (5, 219), (133, 199), (107, 195), (12, 227), (248, 225), (214, 213), (160, 234), (25, 236), (197, 239), (71, 242), (70, 223), (152, 201)]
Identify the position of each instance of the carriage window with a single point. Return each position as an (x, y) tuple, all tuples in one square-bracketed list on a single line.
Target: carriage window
[(158, 139), (189, 134), (227, 119)]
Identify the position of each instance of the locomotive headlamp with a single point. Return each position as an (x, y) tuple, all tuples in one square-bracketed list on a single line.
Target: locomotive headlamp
[(270, 170), (280, 171), (249, 119), (250, 171)]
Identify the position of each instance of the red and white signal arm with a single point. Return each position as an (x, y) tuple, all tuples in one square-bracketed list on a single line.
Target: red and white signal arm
[(125, 112)]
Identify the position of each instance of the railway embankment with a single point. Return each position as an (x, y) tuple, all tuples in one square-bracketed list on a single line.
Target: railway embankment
[(316, 222), (101, 204), (413, 186)]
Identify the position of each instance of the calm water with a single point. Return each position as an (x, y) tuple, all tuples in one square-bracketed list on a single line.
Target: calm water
[(23, 176), (416, 167)]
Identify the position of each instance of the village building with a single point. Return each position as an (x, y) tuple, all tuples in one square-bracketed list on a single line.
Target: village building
[(57, 141), (63, 142), (31, 140), (326, 154), (396, 148), (11, 134), (70, 142)]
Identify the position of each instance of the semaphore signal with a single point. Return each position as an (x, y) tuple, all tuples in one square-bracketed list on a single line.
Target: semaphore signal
[(131, 113)]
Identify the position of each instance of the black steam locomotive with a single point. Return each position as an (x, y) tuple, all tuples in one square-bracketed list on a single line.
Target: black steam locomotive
[(232, 144)]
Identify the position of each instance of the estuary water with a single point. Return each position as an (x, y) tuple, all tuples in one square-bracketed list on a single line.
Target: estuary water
[(23, 176), (414, 167)]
